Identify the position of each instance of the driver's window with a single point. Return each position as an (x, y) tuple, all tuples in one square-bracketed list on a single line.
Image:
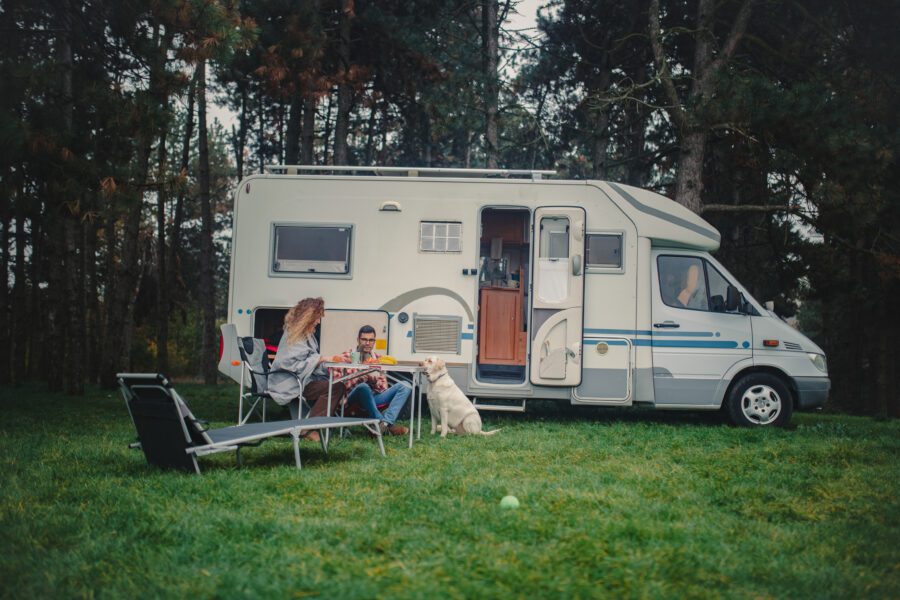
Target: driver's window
[(682, 282)]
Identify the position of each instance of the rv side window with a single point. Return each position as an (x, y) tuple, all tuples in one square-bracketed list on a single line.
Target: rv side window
[(554, 237), (311, 249), (604, 250), (682, 282), (440, 236)]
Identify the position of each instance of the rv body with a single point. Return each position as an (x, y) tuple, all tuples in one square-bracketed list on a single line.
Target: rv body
[(527, 288)]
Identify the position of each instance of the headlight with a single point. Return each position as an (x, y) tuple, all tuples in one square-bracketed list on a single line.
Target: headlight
[(819, 361)]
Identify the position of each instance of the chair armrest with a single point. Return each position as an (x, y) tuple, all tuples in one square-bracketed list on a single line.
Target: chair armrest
[(203, 424)]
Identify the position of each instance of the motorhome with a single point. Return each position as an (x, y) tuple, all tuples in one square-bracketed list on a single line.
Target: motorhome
[(585, 292)]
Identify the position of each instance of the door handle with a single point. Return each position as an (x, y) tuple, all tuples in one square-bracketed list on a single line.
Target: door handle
[(667, 325), (576, 264)]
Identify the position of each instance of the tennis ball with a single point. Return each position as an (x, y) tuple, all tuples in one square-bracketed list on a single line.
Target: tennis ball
[(509, 502)]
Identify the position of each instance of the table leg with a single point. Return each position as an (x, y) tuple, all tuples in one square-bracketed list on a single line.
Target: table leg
[(412, 412), (419, 433), (326, 434)]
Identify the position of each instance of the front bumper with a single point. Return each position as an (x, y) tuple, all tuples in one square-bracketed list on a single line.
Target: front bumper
[(811, 392)]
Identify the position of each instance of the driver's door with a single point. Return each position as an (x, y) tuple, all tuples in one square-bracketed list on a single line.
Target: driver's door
[(557, 296)]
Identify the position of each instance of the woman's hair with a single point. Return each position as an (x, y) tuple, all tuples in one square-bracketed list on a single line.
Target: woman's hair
[(300, 321)]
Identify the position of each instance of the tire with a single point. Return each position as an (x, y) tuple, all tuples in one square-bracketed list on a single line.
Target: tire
[(759, 400)]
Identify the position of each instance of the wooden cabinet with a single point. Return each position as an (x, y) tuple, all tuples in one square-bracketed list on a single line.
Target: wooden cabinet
[(503, 224), (501, 340)]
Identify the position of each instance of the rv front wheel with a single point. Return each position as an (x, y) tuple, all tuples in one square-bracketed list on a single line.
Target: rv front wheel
[(759, 399)]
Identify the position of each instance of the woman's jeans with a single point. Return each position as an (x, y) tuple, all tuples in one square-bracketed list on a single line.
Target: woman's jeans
[(395, 397)]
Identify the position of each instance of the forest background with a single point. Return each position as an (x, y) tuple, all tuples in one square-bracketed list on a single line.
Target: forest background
[(776, 120)]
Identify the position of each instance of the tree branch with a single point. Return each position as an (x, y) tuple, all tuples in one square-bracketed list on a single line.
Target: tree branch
[(734, 36), (752, 208), (662, 66)]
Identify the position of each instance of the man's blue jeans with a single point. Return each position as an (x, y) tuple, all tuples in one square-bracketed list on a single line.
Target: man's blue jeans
[(395, 397)]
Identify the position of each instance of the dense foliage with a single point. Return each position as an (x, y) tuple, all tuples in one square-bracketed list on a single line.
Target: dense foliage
[(777, 121)]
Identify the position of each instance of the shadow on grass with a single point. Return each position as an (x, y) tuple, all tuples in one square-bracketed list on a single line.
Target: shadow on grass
[(560, 412)]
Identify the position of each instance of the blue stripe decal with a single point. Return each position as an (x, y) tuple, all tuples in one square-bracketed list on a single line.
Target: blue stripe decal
[(684, 344), (471, 325), (653, 333), (610, 342), (664, 343), (409, 334), (683, 334), (466, 336)]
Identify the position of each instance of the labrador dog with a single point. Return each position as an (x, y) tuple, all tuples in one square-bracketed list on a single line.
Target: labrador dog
[(446, 401)]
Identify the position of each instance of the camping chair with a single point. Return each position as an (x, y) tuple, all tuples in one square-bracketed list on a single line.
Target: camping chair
[(255, 359), (172, 437)]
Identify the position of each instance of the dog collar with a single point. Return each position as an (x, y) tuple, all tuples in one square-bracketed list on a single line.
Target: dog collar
[(430, 380)]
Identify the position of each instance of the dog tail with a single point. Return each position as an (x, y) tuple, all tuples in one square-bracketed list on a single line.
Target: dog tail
[(490, 432)]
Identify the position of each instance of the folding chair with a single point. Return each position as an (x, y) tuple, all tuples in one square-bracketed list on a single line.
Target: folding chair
[(255, 359), (172, 437)]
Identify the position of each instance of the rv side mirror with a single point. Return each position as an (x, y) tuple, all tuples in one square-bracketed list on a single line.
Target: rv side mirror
[(733, 299)]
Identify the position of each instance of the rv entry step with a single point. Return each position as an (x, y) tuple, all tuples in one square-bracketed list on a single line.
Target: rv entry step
[(500, 407)]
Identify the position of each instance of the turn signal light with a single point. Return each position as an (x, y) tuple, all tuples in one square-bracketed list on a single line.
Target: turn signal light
[(235, 363), (770, 343)]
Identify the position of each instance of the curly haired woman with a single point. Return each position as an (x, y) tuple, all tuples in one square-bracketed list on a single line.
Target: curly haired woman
[(297, 367)]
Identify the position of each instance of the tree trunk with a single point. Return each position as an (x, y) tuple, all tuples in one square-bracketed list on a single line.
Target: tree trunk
[(491, 50), (327, 135), (207, 288), (22, 332), (5, 316), (74, 326), (162, 290), (93, 332), (39, 321), (307, 150), (260, 135), (425, 136), (178, 214), (689, 183), (292, 139), (345, 91), (370, 136), (240, 137)]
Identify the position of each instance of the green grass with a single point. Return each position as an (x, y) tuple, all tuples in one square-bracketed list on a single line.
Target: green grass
[(613, 503)]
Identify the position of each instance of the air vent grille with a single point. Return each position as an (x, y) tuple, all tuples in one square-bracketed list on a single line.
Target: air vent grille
[(437, 334), (792, 346)]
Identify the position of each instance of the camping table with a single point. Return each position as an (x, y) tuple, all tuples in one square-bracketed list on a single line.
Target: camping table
[(391, 372)]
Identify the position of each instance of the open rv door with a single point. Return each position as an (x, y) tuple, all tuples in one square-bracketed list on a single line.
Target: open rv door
[(557, 296)]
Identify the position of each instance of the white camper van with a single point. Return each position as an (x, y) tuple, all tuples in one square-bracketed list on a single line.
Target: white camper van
[(588, 292)]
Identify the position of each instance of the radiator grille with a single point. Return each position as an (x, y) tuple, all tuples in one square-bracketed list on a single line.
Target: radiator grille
[(792, 346), (437, 334)]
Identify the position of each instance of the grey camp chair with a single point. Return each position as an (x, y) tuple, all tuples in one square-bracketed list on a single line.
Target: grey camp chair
[(172, 437), (255, 359)]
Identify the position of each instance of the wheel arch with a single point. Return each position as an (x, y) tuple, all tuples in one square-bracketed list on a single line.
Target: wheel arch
[(786, 379)]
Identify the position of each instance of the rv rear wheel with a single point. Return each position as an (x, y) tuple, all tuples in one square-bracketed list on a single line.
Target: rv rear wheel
[(759, 399)]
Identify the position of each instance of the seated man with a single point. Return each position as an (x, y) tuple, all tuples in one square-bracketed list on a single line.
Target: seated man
[(368, 392)]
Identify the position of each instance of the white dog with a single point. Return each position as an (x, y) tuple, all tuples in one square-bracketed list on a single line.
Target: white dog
[(446, 400)]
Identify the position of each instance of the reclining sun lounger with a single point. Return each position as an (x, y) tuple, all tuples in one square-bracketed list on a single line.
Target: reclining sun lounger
[(171, 437)]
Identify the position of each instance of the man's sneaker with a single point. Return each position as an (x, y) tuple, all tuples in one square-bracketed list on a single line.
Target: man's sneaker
[(397, 429)]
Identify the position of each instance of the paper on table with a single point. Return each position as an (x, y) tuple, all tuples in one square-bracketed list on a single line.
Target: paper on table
[(553, 279)]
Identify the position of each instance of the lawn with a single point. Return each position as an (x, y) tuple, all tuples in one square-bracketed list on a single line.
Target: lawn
[(613, 503)]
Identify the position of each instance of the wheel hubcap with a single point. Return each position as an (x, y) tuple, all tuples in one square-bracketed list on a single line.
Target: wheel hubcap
[(761, 404)]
